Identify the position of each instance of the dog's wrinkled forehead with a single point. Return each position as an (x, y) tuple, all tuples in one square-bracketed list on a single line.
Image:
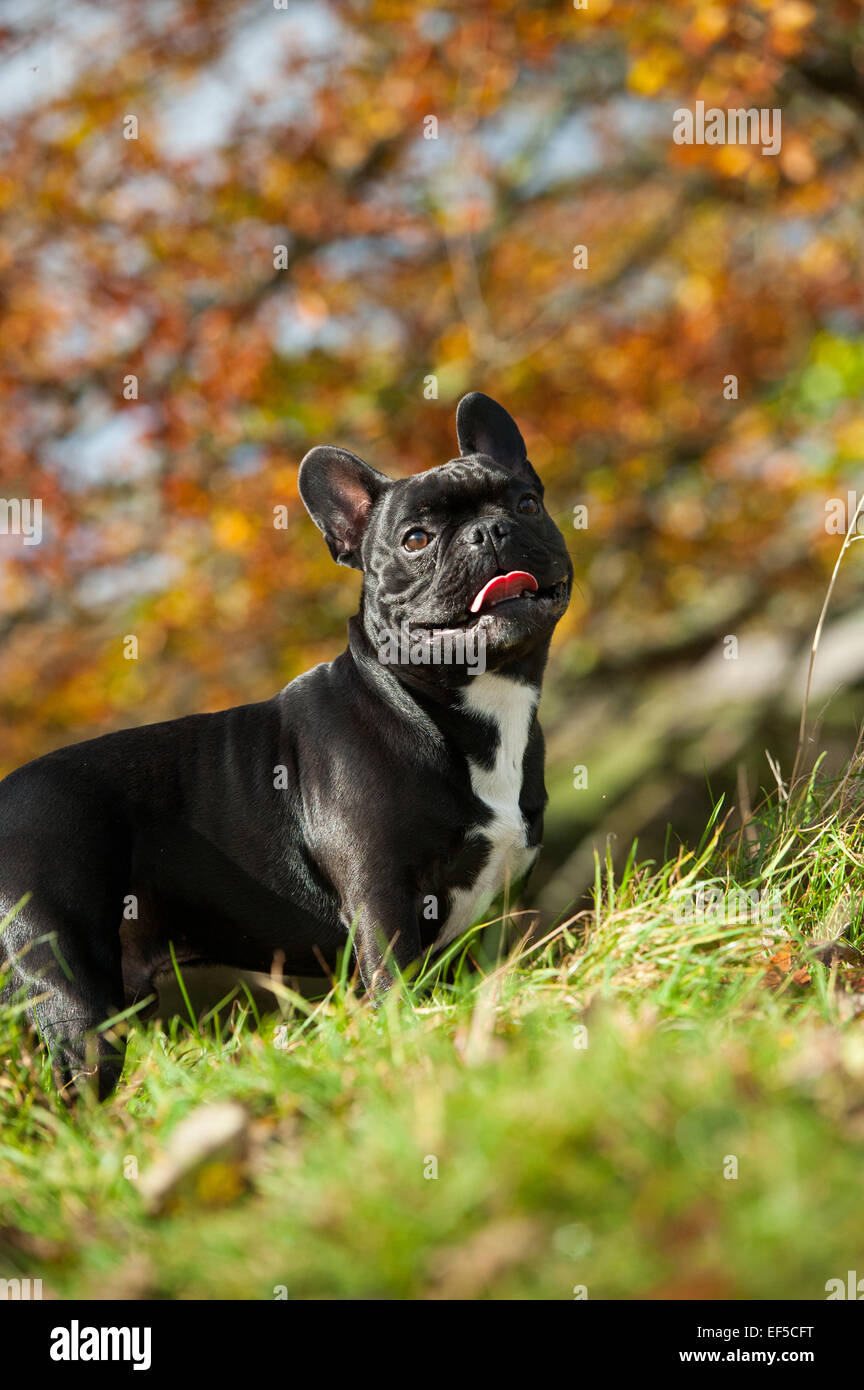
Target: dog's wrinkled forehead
[(462, 486), (350, 502)]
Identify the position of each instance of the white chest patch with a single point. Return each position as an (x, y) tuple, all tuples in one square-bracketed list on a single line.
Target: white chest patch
[(510, 705)]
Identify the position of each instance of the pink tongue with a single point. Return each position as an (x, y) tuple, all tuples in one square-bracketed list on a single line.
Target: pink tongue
[(504, 586)]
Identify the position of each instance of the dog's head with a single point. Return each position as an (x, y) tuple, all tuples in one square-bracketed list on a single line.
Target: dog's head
[(463, 551)]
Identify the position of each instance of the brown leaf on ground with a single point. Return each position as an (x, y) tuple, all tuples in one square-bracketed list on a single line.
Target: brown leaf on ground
[(205, 1161), (834, 952), (785, 965), (779, 967)]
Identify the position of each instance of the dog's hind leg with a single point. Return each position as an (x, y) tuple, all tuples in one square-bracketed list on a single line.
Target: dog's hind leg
[(61, 951), (69, 973)]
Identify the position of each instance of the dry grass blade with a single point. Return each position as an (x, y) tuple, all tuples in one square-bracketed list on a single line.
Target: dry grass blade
[(814, 647)]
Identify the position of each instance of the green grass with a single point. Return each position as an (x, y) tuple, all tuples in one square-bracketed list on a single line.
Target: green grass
[(580, 1098)]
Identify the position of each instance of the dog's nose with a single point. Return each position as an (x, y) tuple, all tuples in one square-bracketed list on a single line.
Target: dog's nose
[(496, 531)]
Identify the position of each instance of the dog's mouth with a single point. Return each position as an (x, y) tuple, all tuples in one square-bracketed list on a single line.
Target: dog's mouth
[(516, 584), (507, 593)]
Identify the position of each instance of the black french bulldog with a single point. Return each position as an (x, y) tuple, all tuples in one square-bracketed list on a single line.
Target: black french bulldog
[(393, 789)]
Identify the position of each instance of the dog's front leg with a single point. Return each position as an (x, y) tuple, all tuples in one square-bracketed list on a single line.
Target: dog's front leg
[(386, 938)]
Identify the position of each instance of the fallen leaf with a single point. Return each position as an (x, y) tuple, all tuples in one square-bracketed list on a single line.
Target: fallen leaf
[(832, 952), (205, 1161)]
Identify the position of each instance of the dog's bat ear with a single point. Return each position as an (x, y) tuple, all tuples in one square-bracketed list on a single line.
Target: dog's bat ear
[(485, 427), (339, 491)]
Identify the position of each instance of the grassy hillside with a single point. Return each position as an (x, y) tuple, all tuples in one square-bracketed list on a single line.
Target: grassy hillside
[(585, 1104)]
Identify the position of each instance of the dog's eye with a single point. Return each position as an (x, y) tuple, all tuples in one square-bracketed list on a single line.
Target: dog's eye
[(416, 539), (528, 505)]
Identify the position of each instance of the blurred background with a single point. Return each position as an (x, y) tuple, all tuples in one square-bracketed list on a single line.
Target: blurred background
[(690, 389)]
